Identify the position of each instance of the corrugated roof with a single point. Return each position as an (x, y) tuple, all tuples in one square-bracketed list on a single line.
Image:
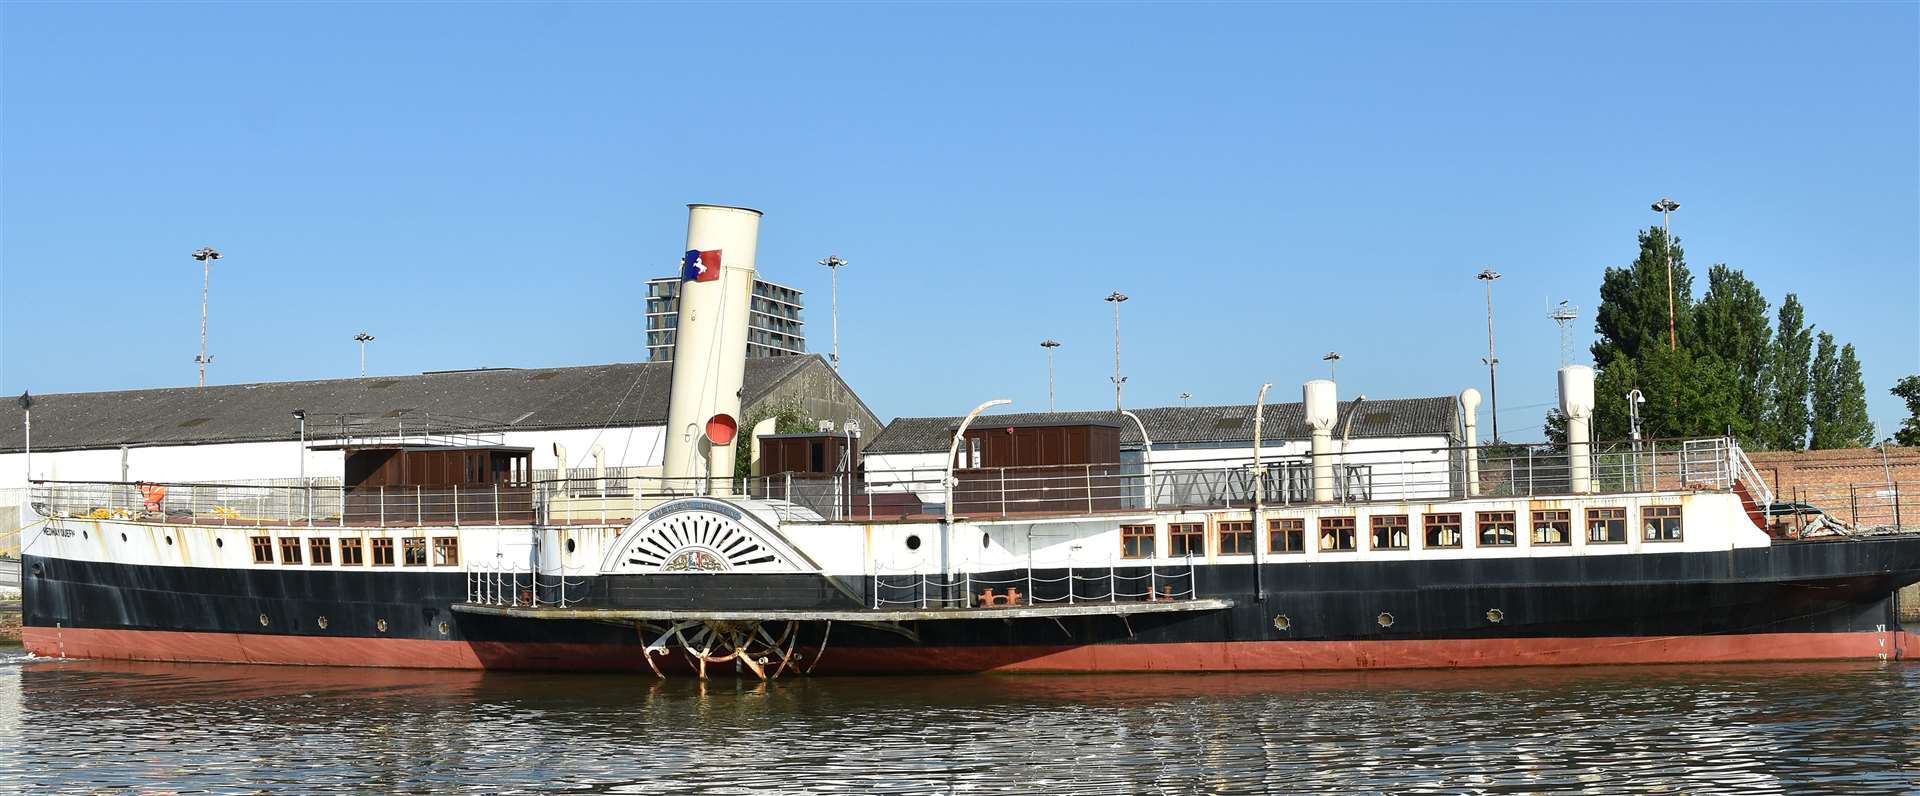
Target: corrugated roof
[(1193, 425), (625, 394)]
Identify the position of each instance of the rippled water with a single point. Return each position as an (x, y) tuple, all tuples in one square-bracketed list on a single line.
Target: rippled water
[(70, 726)]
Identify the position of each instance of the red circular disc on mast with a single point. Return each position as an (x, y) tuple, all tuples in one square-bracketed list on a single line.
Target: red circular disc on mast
[(721, 428)]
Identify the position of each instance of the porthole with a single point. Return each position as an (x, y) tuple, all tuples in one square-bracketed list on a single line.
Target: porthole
[(1281, 622), (218, 542), (913, 541), (263, 620), (986, 541), (83, 535), (569, 545), (37, 570), (380, 625), (169, 541), (1385, 619), (123, 537), (1495, 615), (322, 622), (445, 628)]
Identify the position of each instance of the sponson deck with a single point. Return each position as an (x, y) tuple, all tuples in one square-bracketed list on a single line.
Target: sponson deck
[(849, 615)]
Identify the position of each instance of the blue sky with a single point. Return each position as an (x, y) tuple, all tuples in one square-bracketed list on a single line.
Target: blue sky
[(490, 184)]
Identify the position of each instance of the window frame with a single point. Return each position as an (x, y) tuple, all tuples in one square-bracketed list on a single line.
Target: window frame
[(1489, 521), (262, 544), (444, 552), (1340, 527), (1442, 522), (1620, 516), (290, 550), (1241, 531), (352, 548), (1131, 537), (1675, 517), (320, 551), (1185, 534), (1375, 527), (1565, 523), (382, 544), (413, 551), (1280, 528)]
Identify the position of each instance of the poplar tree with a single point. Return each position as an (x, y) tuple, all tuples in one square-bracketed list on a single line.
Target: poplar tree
[(1731, 325), (1825, 375), (1851, 426), (1792, 348)]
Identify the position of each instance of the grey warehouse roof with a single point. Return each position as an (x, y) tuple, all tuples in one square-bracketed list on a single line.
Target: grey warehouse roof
[(503, 399), (1194, 425)]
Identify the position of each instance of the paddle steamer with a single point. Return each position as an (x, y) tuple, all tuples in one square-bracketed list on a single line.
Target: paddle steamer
[(447, 552)]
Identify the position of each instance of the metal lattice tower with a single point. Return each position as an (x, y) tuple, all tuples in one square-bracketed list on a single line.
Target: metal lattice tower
[(1563, 314)]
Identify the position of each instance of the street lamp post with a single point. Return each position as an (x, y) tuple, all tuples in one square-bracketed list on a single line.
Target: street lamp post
[(1665, 208), (206, 255), (1050, 344), (1259, 490), (834, 264), (363, 339), (1493, 388), (947, 484), (1116, 298)]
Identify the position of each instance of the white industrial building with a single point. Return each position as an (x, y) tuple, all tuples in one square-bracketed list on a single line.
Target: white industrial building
[(611, 416)]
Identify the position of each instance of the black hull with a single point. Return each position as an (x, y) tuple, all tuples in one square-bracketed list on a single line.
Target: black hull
[(1833, 587)]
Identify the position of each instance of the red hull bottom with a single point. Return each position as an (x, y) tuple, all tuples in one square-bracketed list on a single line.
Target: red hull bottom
[(1240, 656)]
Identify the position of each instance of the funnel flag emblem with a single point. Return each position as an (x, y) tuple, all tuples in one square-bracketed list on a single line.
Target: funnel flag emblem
[(701, 266)]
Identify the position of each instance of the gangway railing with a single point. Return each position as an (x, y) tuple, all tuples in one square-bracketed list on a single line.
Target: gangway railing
[(503, 584)]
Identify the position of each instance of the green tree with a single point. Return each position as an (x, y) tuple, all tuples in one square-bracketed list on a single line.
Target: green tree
[(1687, 395), (1908, 389), (1792, 351), (1632, 318), (789, 419), (1825, 375), (1730, 323), (1851, 428)]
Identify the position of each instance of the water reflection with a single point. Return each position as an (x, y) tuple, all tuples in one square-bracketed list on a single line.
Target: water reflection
[(159, 728)]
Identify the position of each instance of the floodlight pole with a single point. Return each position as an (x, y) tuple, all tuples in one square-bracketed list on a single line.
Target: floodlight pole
[(1493, 384), (363, 339), (1665, 208), (1116, 298), (834, 264), (1050, 344), (206, 255)]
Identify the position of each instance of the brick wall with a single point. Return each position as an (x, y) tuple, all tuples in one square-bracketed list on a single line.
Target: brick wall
[(1851, 485)]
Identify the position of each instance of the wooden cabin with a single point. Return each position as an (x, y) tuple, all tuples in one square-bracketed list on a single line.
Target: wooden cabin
[(1040, 466), (439, 485)]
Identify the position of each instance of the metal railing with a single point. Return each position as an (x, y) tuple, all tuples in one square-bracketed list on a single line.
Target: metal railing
[(247, 504), (517, 586), (1872, 506), (1358, 476), (1068, 584)]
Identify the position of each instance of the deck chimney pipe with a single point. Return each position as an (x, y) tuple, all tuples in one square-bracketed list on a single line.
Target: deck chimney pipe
[(710, 347), (1323, 410), (1576, 403), (1470, 416)]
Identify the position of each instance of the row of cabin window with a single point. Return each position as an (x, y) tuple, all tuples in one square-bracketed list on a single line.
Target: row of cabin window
[(1551, 528), (320, 551)]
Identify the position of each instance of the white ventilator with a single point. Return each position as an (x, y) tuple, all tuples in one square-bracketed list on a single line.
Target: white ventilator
[(1576, 403), (1323, 410), (1470, 415), (710, 345)]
